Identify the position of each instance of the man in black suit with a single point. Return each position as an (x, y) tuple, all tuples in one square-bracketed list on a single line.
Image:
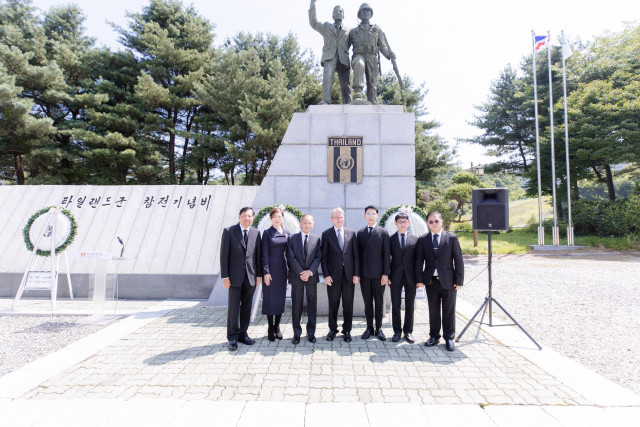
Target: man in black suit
[(241, 271), (403, 276), (440, 254), (340, 266), (373, 247), (304, 252)]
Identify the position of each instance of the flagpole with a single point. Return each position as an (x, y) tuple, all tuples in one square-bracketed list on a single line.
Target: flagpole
[(566, 145), (555, 230), (535, 103)]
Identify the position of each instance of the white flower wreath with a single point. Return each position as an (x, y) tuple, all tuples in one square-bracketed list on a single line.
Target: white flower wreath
[(418, 225)]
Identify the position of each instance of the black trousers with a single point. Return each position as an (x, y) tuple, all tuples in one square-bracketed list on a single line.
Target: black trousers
[(372, 292), (239, 314), (344, 73), (409, 304), (342, 288), (297, 304), (437, 296)]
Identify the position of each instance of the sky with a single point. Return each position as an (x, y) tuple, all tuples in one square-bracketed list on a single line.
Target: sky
[(457, 48)]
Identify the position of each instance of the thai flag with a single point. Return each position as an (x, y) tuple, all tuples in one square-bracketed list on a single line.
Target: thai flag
[(539, 41)]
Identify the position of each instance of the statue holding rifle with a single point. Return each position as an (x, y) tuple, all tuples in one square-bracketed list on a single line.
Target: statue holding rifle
[(368, 42)]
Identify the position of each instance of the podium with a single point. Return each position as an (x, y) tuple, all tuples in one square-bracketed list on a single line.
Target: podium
[(100, 282)]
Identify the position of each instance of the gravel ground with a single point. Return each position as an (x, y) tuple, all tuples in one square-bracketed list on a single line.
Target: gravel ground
[(586, 308), (27, 338)]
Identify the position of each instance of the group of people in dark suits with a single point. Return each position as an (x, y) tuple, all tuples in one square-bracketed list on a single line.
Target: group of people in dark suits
[(369, 257)]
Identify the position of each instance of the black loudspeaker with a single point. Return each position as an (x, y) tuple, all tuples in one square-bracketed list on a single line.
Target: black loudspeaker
[(490, 209)]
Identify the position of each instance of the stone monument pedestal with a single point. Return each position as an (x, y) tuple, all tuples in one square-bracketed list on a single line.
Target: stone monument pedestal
[(298, 175)]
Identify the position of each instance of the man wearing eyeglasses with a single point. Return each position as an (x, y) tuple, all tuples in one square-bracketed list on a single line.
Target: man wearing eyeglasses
[(439, 265), (403, 245)]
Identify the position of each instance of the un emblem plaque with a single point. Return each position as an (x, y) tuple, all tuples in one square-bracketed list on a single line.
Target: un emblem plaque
[(344, 161)]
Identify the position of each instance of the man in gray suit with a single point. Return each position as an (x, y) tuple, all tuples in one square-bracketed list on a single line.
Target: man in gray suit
[(241, 271), (304, 252), (335, 53), (341, 269)]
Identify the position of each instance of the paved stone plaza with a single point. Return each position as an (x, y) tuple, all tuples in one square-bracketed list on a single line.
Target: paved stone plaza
[(169, 365), (184, 355)]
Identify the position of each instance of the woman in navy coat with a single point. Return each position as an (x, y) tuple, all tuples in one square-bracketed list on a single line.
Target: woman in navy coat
[(274, 267)]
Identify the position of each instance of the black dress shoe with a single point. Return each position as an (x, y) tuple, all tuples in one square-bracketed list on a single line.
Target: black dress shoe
[(233, 345), (311, 338), (396, 337), (270, 334), (247, 340), (432, 341), (381, 335), (366, 334), (347, 336), (331, 335), (409, 338), (296, 339), (450, 345), (278, 332)]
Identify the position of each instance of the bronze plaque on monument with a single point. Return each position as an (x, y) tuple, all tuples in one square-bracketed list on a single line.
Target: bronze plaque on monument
[(344, 161)]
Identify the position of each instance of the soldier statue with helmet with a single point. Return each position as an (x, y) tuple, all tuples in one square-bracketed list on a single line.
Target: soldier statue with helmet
[(368, 42)]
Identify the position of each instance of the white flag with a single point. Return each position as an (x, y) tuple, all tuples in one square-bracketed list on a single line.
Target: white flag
[(566, 50)]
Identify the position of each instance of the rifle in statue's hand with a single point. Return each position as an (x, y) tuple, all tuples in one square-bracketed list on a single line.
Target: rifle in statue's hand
[(393, 62)]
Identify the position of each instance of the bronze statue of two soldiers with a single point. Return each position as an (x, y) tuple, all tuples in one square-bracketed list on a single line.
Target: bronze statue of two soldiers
[(368, 42)]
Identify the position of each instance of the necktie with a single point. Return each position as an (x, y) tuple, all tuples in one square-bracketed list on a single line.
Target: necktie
[(435, 242), (370, 230), (402, 240), (340, 239), (246, 237), (306, 246)]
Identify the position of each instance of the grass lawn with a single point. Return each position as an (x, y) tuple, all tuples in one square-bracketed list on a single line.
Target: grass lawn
[(521, 213), (520, 241)]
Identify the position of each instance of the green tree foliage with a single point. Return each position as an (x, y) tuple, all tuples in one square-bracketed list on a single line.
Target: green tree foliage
[(607, 217), (249, 97), (175, 47), (169, 108), (433, 154), (20, 132), (27, 52), (509, 181), (466, 178), (446, 209), (123, 153), (605, 107), (507, 123), (603, 90), (460, 192)]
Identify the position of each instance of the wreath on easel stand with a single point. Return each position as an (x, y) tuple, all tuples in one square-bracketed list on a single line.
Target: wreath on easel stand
[(65, 232), (48, 232)]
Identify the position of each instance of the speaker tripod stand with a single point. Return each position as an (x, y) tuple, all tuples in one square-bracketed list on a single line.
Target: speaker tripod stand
[(487, 304)]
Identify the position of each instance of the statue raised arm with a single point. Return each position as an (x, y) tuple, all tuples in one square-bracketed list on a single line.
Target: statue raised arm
[(335, 53)]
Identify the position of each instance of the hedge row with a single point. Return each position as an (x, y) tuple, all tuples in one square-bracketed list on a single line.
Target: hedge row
[(607, 218)]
